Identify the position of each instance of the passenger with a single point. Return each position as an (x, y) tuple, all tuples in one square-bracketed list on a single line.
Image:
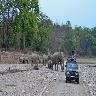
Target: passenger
[(73, 60)]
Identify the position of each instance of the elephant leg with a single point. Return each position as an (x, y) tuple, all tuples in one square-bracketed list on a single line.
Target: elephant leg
[(23, 61), (37, 65), (52, 66), (57, 66), (61, 66), (32, 63), (27, 61), (43, 62), (48, 65)]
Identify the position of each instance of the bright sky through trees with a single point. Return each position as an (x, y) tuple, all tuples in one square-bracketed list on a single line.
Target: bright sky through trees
[(79, 12)]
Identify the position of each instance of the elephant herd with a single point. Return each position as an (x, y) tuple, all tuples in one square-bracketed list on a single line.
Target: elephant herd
[(52, 61), (55, 60)]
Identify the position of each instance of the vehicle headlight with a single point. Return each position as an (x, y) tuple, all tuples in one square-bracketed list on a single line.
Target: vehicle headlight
[(76, 73), (68, 73)]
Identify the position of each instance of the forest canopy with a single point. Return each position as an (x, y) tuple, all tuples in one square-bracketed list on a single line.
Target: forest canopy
[(24, 26)]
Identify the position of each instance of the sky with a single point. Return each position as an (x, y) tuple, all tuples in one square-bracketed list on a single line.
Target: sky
[(78, 12)]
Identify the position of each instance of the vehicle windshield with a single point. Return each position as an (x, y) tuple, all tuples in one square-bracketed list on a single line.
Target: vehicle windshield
[(72, 66)]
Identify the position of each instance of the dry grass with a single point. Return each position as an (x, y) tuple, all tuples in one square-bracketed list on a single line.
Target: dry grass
[(86, 60)]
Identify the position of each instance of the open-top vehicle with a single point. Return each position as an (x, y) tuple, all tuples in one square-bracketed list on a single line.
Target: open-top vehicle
[(71, 71)]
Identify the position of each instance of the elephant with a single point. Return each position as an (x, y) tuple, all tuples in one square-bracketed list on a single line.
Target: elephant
[(58, 59), (23, 59), (34, 59), (45, 59)]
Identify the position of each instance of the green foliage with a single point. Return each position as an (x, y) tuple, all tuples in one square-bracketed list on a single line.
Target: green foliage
[(69, 38), (44, 26), (66, 38), (26, 22), (25, 27)]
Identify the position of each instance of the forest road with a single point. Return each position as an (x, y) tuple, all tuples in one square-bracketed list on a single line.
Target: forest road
[(69, 89)]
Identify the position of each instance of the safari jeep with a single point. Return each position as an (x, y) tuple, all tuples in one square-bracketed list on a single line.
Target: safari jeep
[(71, 71)]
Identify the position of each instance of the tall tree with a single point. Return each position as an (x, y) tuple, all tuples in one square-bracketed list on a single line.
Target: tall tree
[(68, 38), (26, 21), (44, 27)]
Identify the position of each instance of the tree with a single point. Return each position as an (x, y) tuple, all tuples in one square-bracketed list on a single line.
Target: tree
[(69, 38), (44, 27), (26, 22), (7, 10)]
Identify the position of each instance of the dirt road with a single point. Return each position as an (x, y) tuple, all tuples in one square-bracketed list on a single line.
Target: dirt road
[(69, 89), (45, 82)]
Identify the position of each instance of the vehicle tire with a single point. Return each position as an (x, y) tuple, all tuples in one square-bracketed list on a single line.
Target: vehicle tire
[(49, 65), (67, 79), (77, 80)]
